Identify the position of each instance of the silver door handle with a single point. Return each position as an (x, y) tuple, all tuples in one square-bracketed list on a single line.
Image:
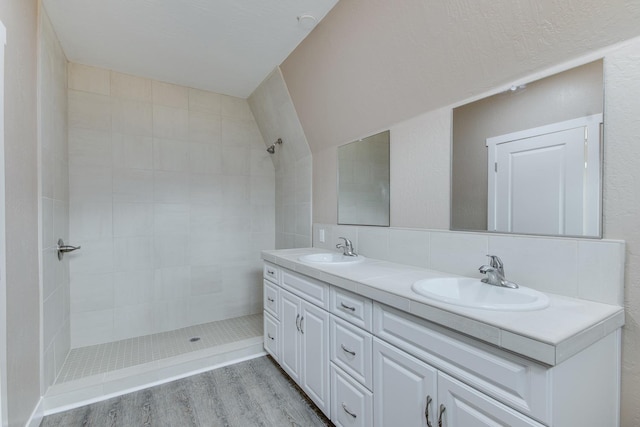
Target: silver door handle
[(63, 249)]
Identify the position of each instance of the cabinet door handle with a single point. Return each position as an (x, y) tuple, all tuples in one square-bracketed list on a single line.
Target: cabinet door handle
[(301, 330), (270, 337), (426, 411), (271, 272), (346, 307), (346, 350), (344, 407), (297, 324), (270, 299), (440, 413)]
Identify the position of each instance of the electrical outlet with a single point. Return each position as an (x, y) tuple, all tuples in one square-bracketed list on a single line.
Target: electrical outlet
[(321, 235)]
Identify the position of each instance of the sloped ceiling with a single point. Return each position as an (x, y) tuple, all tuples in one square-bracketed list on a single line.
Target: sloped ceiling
[(225, 46)]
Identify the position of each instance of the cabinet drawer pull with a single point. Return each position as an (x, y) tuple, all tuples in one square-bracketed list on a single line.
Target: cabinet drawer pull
[(301, 330), (297, 324), (441, 412), (344, 407), (270, 337), (346, 350), (426, 411), (271, 272), (346, 307), (270, 299)]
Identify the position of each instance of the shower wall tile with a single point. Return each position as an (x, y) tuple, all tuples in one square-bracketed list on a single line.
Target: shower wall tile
[(170, 155), (170, 122), (167, 184), (55, 79), (130, 87), (133, 287), (132, 151), (133, 185), (90, 147), (133, 219), (91, 327), (89, 219), (204, 127), (131, 117), (132, 253), (89, 79), (133, 320), (91, 292), (170, 95), (89, 111), (203, 101), (171, 218), (205, 158)]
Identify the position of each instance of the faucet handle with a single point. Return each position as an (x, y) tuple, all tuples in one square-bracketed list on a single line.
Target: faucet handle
[(496, 262), (346, 242)]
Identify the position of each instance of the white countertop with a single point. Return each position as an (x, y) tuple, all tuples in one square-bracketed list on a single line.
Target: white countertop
[(551, 335)]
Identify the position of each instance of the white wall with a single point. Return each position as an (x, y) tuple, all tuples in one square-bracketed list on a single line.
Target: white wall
[(169, 188), (20, 17), (54, 191), (403, 69), (277, 118)]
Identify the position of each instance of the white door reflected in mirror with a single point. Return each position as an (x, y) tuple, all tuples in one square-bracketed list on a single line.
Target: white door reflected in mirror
[(545, 180)]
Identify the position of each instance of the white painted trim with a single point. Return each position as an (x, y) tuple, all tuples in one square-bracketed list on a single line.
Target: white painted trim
[(3, 260), (50, 408), (36, 416)]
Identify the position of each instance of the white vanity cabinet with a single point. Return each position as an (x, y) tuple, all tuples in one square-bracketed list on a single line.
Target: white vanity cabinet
[(367, 364), (271, 311), (303, 331)]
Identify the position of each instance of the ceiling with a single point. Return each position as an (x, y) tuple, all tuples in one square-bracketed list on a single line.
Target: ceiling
[(224, 46)]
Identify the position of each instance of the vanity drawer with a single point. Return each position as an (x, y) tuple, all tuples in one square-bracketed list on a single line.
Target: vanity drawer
[(271, 335), (515, 381), (351, 403), (351, 307), (351, 350), (271, 272), (270, 302), (309, 289)]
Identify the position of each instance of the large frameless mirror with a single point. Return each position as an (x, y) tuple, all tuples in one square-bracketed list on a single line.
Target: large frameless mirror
[(363, 181), (529, 160)]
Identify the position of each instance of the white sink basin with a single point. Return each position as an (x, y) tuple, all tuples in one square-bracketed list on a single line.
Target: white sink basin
[(468, 292), (331, 258)]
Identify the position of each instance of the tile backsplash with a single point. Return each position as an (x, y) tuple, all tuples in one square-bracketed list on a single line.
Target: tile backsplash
[(579, 268)]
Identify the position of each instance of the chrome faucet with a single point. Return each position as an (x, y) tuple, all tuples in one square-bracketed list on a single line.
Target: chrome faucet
[(495, 273), (347, 247)]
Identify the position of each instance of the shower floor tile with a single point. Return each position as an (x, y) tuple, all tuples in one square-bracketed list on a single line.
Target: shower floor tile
[(102, 358)]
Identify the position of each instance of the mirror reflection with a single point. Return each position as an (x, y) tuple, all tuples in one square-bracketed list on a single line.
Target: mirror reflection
[(529, 160), (363, 181)]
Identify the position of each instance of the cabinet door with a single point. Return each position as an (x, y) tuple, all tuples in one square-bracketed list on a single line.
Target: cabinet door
[(402, 386), (314, 328), (271, 340), (290, 334), (351, 403), (463, 406)]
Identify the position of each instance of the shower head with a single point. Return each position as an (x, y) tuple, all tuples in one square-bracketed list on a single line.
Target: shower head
[(272, 148)]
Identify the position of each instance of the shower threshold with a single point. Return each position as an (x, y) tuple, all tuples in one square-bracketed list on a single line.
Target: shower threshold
[(102, 371)]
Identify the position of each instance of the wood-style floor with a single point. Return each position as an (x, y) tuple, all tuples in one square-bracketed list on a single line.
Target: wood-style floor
[(251, 393)]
